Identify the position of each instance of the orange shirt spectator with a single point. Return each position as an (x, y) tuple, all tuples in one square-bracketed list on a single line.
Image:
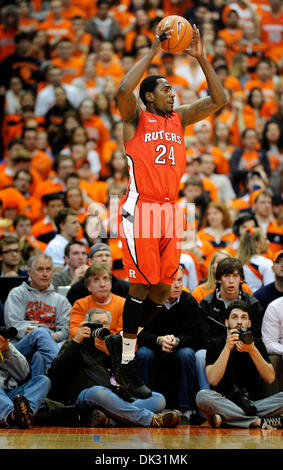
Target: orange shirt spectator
[(231, 36), (71, 68), (8, 30), (267, 87), (82, 306), (56, 29), (271, 28)]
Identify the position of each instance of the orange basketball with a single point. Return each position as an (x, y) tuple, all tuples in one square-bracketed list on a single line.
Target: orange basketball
[(181, 35)]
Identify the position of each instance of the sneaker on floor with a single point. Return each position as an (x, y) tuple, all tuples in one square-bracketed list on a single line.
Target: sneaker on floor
[(169, 419), (128, 377), (217, 421), (23, 413), (272, 422), (98, 419)]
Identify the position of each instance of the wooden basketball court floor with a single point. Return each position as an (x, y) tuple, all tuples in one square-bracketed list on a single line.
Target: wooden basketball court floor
[(129, 439)]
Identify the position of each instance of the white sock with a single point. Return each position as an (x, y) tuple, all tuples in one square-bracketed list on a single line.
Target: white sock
[(129, 349)]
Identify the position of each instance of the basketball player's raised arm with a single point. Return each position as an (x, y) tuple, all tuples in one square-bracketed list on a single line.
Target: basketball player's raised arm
[(127, 102), (203, 107)]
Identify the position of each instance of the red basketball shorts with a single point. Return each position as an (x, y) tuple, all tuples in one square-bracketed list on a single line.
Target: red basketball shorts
[(150, 233)]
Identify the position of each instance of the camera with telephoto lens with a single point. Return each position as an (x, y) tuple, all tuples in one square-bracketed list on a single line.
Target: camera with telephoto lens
[(8, 333), (97, 330), (245, 335), (241, 398)]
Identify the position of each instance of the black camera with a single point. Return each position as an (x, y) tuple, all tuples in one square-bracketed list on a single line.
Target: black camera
[(97, 330), (8, 333), (241, 398), (246, 336)]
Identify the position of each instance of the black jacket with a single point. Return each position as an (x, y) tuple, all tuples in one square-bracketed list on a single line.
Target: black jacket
[(79, 290), (181, 320), (213, 307), (76, 367)]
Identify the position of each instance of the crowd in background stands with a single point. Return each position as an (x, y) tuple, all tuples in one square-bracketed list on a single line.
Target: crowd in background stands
[(61, 62)]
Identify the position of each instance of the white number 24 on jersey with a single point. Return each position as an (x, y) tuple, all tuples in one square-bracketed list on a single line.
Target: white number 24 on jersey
[(161, 158)]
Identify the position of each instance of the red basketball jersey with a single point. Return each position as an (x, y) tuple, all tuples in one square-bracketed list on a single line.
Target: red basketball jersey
[(156, 156)]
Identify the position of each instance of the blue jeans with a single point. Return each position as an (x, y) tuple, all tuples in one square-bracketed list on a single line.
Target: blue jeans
[(41, 347), (200, 367), (211, 403), (139, 413), (35, 390), (182, 360)]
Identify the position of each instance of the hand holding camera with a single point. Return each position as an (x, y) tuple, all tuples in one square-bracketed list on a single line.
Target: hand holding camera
[(232, 338), (91, 330)]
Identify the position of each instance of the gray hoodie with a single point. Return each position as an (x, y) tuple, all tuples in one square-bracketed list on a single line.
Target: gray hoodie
[(26, 306), (13, 369)]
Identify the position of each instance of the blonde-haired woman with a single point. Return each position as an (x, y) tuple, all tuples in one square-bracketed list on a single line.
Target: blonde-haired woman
[(257, 267)]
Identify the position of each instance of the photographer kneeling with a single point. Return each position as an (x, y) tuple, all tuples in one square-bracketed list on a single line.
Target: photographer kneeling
[(82, 374), (234, 369)]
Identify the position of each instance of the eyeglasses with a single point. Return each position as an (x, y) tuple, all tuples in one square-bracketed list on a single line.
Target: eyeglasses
[(8, 252)]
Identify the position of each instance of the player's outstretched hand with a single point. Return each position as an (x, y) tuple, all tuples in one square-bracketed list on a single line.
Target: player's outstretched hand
[(195, 49)]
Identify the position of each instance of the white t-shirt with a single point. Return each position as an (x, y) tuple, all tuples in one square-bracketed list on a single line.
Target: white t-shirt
[(263, 267), (55, 249)]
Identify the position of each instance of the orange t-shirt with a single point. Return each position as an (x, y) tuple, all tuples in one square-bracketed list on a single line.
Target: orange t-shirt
[(43, 231), (231, 36), (71, 69), (47, 187), (27, 25), (82, 306), (7, 42), (235, 133), (7, 180), (61, 29), (225, 240), (267, 88), (97, 131), (114, 69), (271, 28)]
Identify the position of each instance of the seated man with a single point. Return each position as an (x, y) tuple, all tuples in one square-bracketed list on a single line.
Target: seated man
[(166, 348), (19, 398), (99, 253), (266, 294), (68, 226), (10, 255), (98, 279), (234, 367), (272, 338), (76, 265), (229, 278), (81, 374), (40, 315)]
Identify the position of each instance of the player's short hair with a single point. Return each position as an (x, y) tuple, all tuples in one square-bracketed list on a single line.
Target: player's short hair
[(148, 85)]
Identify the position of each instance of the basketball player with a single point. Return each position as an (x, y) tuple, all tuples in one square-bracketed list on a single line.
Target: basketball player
[(155, 149)]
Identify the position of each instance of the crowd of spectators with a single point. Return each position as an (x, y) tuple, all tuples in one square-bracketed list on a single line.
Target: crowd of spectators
[(63, 171)]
